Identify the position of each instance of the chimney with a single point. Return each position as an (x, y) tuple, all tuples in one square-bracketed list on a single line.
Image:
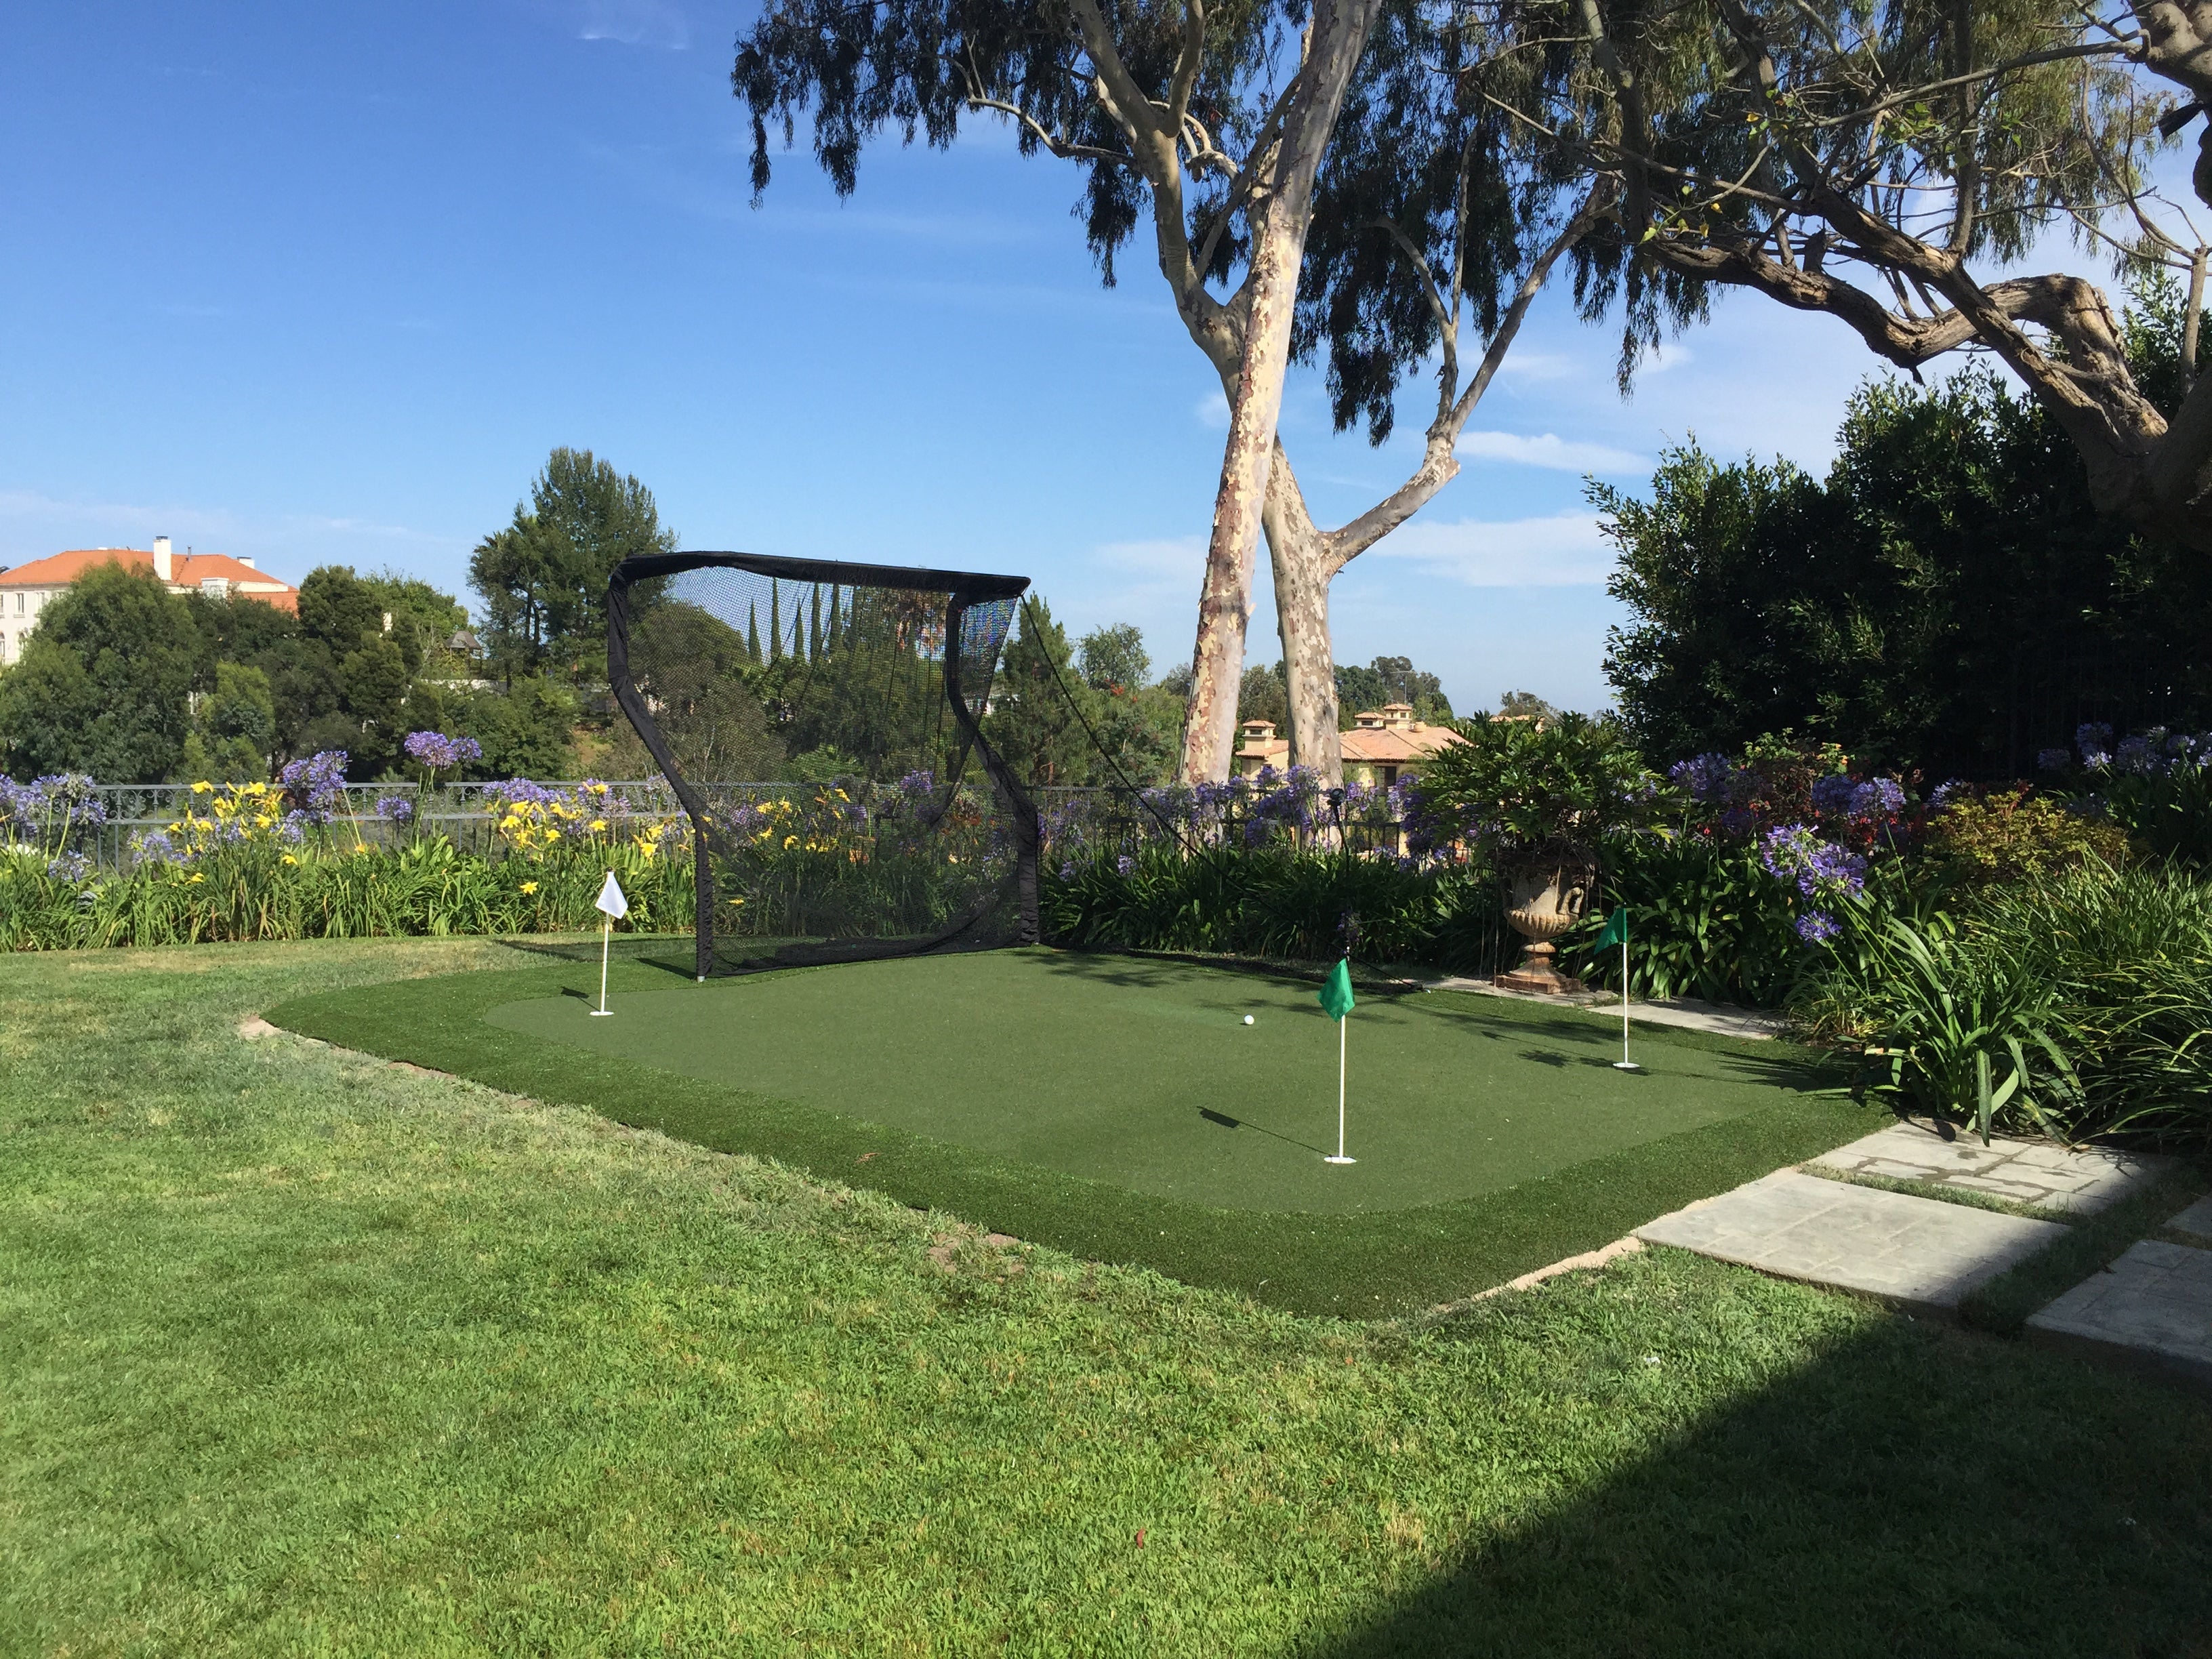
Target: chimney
[(246, 560), (165, 564)]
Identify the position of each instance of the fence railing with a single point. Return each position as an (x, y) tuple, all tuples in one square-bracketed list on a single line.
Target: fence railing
[(1076, 819)]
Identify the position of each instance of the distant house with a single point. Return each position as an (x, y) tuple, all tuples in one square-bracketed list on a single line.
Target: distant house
[(25, 590), (1386, 745)]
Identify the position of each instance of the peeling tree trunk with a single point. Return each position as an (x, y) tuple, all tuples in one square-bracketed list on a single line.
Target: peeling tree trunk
[(1281, 212), (1300, 557)]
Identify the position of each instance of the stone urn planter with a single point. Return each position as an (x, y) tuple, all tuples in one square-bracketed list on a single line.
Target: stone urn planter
[(1544, 900)]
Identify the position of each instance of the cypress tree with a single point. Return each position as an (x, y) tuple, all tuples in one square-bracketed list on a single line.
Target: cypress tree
[(836, 638), (752, 633), (814, 627), (774, 621)]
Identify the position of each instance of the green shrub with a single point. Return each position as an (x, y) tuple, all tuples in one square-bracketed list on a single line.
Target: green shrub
[(2110, 970), (1705, 920), (1275, 902), (2016, 836)]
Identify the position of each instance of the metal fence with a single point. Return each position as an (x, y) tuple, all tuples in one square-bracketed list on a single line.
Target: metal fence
[(464, 811), (1075, 819)]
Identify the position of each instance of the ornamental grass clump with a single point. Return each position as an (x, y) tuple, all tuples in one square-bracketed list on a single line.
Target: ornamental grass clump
[(2092, 986)]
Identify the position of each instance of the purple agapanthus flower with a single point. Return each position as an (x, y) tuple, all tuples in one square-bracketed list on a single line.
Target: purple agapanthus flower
[(400, 809), (1705, 776), (1796, 853), (2094, 740), (1067, 870), (1877, 798), (154, 846), (1832, 796), (923, 782), (71, 867), (316, 785), (1125, 864), (2135, 756), (438, 751), (1816, 927), (2053, 760), (1948, 791), (522, 792)]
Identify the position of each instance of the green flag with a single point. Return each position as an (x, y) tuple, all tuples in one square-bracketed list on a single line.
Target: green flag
[(1336, 991), (1616, 930)]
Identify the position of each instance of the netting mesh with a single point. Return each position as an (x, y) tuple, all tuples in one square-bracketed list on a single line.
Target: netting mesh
[(819, 722)]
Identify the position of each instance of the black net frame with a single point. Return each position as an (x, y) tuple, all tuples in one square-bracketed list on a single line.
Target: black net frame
[(968, 598)]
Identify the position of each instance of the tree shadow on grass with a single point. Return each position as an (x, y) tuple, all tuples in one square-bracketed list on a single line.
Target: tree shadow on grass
[(1912, 1490)]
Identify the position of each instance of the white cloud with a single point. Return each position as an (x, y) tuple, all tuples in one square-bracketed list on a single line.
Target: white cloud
[(1561, 550), (1212, 411), (1658, 359), (634, 23), (1521, 365), (1549, 450)]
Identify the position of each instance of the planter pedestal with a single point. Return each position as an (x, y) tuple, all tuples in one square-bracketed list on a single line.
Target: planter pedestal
[(1544, 903)]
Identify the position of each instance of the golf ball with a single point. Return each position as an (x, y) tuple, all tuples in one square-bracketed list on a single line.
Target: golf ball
[(1248, 1019)]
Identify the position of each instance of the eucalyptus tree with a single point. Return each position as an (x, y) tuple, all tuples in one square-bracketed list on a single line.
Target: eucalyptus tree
[(1240, 131), (1883, 162)]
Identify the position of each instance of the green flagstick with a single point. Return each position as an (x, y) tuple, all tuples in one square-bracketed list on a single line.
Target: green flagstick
[(1336, 1002), (1616, 932)]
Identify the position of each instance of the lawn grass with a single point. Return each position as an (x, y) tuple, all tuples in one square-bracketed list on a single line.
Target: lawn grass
[(305, 1353), (1046, 1058)]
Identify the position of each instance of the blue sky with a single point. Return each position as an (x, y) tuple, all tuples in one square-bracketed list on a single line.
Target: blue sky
[(319, 283)]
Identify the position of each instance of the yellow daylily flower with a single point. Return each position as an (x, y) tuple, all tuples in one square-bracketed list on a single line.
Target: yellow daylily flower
[(202, 787)]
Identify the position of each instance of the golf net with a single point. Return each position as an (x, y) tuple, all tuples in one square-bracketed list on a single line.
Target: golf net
[(868, 682)]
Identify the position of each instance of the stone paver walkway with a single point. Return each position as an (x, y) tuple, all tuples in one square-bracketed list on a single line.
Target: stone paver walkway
[(2080, 1179), (2196, 1219), (2153, 1306), (1919, 1252), (1686, 1013)]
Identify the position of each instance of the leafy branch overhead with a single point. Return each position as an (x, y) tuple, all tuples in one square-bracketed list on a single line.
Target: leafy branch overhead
[(1860, 161)]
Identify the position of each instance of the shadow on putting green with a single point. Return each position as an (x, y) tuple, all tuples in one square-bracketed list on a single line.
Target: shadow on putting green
[(1122, 1071)]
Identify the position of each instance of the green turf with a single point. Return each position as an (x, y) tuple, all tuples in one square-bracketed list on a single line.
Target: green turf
[(305, 1354), (1376, 1261), (1144, 1075)]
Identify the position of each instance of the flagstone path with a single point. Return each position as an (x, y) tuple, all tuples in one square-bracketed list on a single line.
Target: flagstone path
[(2080, 1179), (1686, 1013), (1917, 1252), (2151, 1308)]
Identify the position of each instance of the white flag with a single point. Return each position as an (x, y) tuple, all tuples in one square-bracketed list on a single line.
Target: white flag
[(611, 898)]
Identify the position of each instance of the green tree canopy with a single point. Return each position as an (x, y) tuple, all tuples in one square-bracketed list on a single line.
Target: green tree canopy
[(1031, 723), (544, 579), (105, 685), (1947, 599)]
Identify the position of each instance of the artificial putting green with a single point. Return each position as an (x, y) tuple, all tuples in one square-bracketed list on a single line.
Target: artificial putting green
[(1142, 1073), (1117, 1107)]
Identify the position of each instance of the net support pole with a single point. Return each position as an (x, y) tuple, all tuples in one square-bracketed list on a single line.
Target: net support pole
[(702, 903)]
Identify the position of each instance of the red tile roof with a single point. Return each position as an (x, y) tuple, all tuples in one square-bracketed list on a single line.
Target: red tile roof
[(186, 570), (1390, 737)]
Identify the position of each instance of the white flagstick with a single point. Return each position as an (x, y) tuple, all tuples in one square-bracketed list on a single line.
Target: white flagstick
[(610, 903), (1341, 1157), (1624, 1064)]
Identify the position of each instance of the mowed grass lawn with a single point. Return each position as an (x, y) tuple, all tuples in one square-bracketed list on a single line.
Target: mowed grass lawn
[(303, 1352)]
